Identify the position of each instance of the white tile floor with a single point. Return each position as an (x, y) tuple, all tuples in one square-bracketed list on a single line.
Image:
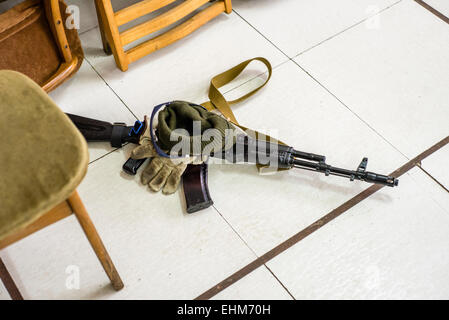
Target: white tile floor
[(395, 77), (351, 79), (390, 249)]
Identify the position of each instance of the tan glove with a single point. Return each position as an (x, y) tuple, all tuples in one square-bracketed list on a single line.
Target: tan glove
[(161, 173)]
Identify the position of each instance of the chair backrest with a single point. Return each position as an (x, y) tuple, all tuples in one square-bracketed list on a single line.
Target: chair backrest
[(117, 40)]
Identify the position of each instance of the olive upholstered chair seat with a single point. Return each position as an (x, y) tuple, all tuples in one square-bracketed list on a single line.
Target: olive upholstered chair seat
[(43, 157)]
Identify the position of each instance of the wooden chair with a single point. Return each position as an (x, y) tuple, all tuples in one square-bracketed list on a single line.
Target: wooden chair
[(114, 40), (35, 42), (44, 159)]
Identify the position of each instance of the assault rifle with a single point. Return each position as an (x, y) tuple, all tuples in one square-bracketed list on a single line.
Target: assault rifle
[(245, 149)]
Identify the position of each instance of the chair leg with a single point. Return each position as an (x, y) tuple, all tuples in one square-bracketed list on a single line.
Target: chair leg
[(111, 32), (106, 47), (95, 240), (228, 6), (7, 280)]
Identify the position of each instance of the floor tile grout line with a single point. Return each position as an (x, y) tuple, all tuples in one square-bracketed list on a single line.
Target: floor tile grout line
[(433, 178), (235, 231), (315, 226), (433, 10), (347, 107), (346, 29), (265, 37), (113, 91), (251, 249), (106, 154), (280, 282)]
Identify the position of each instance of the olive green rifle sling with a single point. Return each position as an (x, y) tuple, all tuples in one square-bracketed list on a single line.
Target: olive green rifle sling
[(195, 177), (218, 101)]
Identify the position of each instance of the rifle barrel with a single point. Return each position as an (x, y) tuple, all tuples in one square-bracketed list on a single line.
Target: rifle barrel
[(352, 175), (308, 156), (247, 149)]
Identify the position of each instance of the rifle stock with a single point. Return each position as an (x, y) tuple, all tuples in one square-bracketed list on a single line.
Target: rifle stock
[(195, 187)]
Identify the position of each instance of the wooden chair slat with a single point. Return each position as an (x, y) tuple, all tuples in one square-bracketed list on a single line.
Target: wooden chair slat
[(176, 33), (138, 10), (161, 21)]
